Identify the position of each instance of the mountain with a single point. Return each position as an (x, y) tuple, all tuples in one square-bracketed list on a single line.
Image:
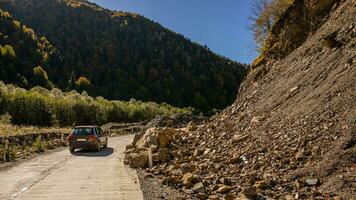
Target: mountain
[(291, 133), (24, 54), (125, 55)]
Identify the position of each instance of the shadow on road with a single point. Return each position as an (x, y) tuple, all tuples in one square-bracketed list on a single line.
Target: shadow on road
[(91, 153)]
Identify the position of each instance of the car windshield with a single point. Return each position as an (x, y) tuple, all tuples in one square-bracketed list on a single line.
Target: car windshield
[(83, 131)]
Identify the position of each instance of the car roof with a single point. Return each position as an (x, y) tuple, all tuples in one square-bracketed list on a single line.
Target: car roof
[(90, 126)]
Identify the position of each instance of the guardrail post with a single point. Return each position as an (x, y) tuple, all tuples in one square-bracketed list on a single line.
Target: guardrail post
[(150, 160), (62, 137), (7, 157)]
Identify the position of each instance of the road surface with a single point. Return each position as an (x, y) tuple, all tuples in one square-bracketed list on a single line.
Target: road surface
[(84, 175)]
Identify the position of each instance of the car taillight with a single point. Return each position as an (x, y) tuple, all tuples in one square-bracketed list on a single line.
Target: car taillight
[(92, 138), (70, 137)]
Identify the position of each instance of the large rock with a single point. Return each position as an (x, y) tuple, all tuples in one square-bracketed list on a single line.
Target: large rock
[(138, 160), (191, 126), (156, 136), (163, 155), (199, 188), (224, 189), (187, 167), (189, 179)]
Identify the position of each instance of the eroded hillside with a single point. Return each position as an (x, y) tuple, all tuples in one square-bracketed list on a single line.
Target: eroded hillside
[(291, 132)]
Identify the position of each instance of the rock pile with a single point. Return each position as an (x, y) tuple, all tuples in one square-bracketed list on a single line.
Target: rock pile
[(158, 140), (208, 164), (176, 121)]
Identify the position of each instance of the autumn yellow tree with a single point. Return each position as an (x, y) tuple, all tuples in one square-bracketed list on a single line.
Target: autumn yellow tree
[(41, 77), (263, 15), (83, 83)]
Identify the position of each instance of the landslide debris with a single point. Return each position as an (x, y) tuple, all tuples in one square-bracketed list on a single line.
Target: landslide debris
[(289, 135)]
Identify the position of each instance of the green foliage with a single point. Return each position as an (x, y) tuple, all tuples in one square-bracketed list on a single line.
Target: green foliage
[(30, 109), (123, 55), (7, 52), (41, 78), (21, 54), (42, 107), (40, 72), (38, 146), (5, 119)]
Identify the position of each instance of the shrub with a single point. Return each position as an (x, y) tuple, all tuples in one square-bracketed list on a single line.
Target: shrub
[(7, 51), (40, 72), (30, 109), (83, 83), (42, 107), (38, 146), (5, 119)]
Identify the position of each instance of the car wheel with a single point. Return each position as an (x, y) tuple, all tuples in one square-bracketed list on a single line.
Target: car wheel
[(98, 147), (71, 149)]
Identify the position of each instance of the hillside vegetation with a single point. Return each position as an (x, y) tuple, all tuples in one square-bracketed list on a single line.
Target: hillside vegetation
[(42, 107), (125, 56), (23, 54)]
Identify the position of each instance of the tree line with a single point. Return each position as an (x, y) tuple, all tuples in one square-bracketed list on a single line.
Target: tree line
[(43, 107)]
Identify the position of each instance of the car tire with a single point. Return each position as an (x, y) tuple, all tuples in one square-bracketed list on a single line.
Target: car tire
[(98, 147), (71, 149)]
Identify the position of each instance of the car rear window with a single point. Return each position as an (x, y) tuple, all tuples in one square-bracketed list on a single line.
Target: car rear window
[(83, 131)]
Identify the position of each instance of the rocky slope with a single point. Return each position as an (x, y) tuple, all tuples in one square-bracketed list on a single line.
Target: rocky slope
[(290, 134)]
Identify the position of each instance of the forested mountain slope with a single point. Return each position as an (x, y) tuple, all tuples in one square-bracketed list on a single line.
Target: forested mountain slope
[(24, 54), (127, 56)]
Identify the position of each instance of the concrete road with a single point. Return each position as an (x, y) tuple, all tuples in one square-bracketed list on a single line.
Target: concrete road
[(84, 175)]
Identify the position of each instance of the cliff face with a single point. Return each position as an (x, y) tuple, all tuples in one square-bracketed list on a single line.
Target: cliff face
[(291, 132), (299, 21)]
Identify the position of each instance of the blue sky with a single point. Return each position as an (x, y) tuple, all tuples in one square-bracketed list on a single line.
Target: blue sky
[(219, 24)]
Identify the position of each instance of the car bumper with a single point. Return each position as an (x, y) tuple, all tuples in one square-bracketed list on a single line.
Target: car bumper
[(83, 145)]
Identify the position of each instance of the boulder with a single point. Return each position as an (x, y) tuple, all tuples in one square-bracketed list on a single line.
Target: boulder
[(201, 196), (163, 155), (224, 189), (187, 167), (138, 160), (250, 192), (171, 181), (214, 197), (312, 182), (198, 152), (130, 146), (156, 136), (199, 188), (191, 126), (165, 136), (188, 180)]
